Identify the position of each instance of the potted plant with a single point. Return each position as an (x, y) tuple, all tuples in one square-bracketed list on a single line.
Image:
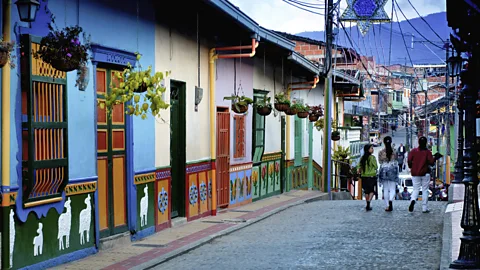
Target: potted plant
[(315, 112), (263, 106), (62, 48), (134, 84), (293, 109), (6, 48), (335, 133), (303, 111), (282, 103), (239, 103), (319, 124)]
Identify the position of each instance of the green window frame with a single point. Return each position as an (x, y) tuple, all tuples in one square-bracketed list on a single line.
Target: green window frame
[(44, 128), (258, 130), (298, 158)]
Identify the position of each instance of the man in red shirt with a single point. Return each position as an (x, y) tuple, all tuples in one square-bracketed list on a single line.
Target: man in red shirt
[(419, 161)]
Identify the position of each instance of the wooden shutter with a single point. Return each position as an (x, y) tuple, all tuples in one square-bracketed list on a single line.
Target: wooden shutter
[(298, 141), (239, 121), (44, 128)]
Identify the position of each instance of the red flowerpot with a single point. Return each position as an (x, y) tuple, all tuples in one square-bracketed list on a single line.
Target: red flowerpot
[(239, 108), (282, 106), (302, 114), (264, 111)]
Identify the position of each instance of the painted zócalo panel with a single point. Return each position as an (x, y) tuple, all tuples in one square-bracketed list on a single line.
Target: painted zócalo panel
[(145, 206), (38, 240), (266, 176), (297, 177), (199, 189), (163, 198), (255, 182)]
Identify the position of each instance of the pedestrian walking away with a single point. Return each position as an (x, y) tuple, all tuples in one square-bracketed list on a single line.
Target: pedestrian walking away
[(388, 172), (419, 161), (401, 157), (368, 172)]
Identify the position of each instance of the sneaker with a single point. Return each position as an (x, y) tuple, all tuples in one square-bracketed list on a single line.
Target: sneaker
[(426, 211), (368, 208), (412, 206)]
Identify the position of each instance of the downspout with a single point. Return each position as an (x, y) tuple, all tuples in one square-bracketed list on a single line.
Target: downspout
[(314, 84), (213, 136), (5, 240)]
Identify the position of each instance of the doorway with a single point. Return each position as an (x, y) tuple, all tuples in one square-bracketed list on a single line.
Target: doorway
[(177, 147), (111, 160), (223, 157)]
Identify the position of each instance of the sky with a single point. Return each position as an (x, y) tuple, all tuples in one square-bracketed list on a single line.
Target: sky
[(281, 16)]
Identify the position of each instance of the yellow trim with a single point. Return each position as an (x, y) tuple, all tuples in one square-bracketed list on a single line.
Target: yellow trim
[(271, 156), (144, 178), (213, 135), (74, 189), (6, 201), (448, 170), (42, 202), (238, 168), (6, 101)]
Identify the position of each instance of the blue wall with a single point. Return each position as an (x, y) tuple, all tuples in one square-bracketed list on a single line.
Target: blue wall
[(111, 24)]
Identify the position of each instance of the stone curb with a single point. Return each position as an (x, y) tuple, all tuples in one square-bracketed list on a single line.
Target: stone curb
[(157, 261), (446, 254)]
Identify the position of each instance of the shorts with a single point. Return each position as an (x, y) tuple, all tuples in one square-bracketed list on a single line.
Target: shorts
[(368, 184)]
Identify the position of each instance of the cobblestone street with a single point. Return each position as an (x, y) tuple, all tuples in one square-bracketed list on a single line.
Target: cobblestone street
[(328, 235)]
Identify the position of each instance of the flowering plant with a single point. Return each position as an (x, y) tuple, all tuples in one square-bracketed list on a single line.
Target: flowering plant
[(6, 48), (137, 85), (62, 48)]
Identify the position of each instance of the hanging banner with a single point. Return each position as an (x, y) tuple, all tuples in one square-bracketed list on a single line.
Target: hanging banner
[(364, 13)]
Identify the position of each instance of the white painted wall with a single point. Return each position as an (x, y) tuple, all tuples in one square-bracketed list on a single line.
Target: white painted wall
[(178, 53)]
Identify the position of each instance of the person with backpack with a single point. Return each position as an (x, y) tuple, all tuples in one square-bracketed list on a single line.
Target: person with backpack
[(368, 172), (388, 173), (419, 161)]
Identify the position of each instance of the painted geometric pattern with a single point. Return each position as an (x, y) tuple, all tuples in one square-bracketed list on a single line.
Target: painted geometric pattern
[(81, 188), (199, 168), (271, 156), (162, 200), (8, 199), (144, 178), (162, 174), (193, 194), (203, 191), (364, 13)]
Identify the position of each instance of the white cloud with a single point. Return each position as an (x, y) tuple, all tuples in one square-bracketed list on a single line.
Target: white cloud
[(280, 16)]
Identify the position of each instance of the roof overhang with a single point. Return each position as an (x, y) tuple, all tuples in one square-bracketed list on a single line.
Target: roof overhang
[(273, 37), (304, 62)]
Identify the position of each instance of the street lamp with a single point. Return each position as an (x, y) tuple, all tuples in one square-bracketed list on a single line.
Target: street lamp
[(27, 9), (454, 65)]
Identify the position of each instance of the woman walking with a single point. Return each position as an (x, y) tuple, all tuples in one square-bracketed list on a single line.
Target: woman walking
[(388, 174), (368, 169)]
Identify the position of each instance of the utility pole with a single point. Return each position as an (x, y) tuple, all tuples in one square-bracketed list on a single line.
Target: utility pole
[(410, 119), (327, 150), (447, 125)]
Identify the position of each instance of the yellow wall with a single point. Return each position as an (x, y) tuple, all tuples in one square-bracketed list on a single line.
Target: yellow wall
[(178, 54)]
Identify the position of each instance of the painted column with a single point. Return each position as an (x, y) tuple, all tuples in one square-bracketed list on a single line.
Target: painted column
[(310, 156)]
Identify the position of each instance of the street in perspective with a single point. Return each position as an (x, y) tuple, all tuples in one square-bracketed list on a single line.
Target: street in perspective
[(240, 134)]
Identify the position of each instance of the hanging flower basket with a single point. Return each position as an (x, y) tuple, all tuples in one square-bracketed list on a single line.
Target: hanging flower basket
[(335, 136), (239, 103), (302, 114), (62, 49), (313, 117), (142, 89), (264, 111), (237, 108), (291, 111), (282, 107), (6, 49)]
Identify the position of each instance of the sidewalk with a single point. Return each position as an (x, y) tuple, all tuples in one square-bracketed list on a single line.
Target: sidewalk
[(452, 230), (172, 242)]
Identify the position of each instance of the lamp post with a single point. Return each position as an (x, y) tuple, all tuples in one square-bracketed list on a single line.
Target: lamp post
[(454, 65), (470, 241), (27, 9)]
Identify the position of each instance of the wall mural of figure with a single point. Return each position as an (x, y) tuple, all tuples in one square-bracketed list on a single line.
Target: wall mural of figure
[(64, 226), (144, 208), (85, 221), (12, 236), (38, 241)]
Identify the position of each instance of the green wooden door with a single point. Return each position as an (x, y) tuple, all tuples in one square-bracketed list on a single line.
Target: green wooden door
[(111, 160), (177, 147), (298, 159)]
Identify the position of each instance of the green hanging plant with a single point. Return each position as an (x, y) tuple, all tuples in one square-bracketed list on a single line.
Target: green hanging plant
[(145, 89), (239, 103), (319, 124), (341, 154)]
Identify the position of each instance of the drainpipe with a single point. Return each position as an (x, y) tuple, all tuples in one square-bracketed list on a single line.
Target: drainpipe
[(287, 138), (213, 56), (310, 156), (5, 241), (314, 84)]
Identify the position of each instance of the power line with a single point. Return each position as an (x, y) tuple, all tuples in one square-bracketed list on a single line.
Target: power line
[(421, 17), (414, 26), (291, 3)]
